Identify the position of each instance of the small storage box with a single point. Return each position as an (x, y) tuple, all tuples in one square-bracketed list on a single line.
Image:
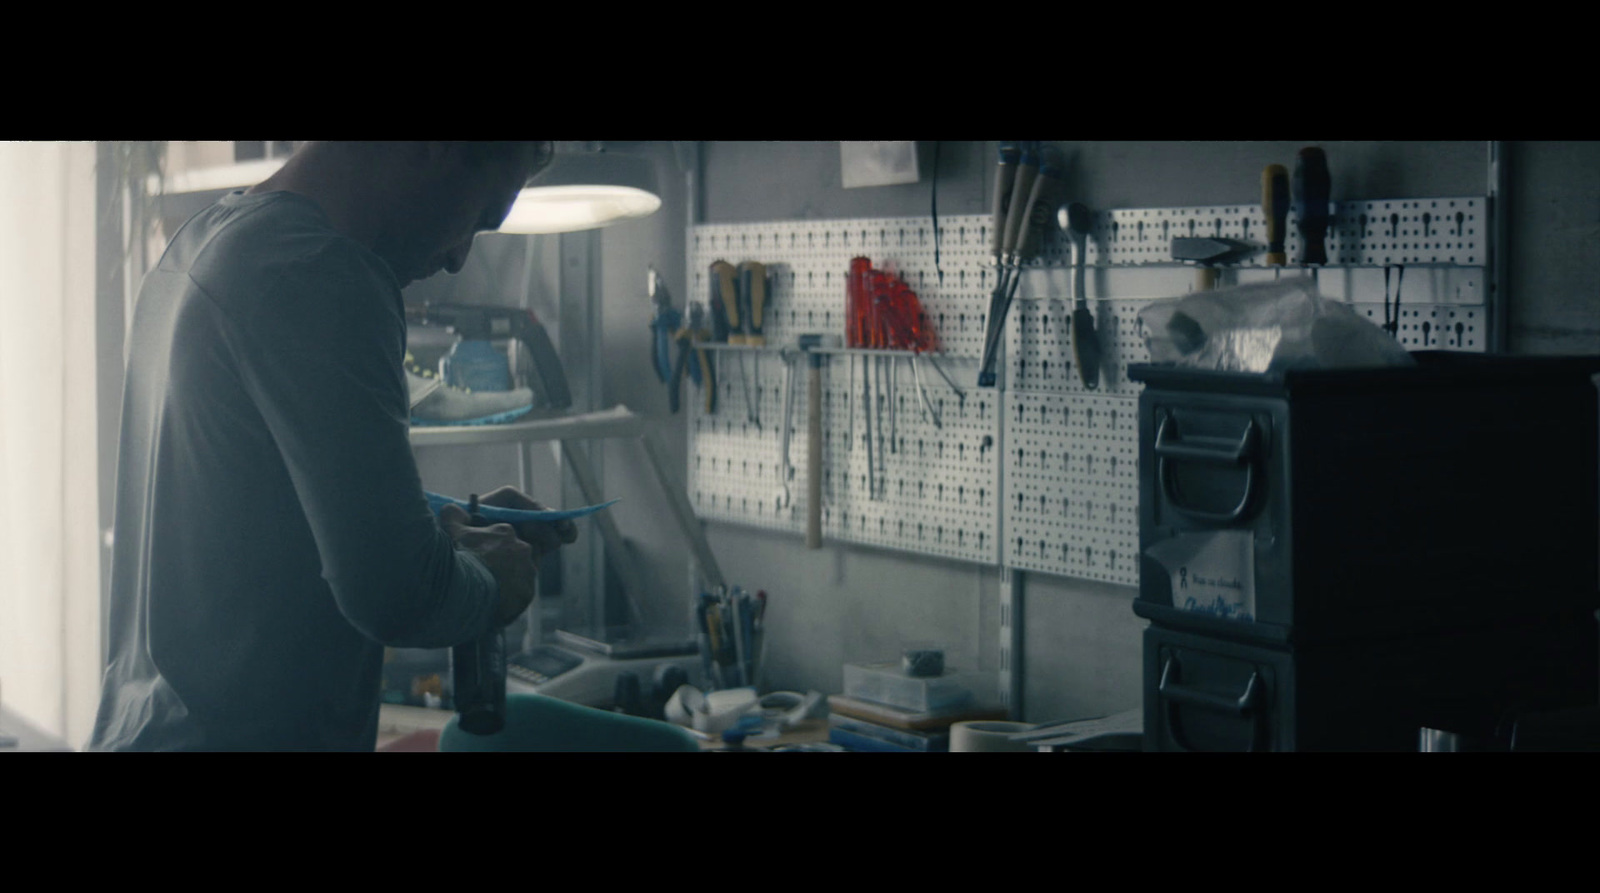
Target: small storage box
[(888, 683), (1333, 505)]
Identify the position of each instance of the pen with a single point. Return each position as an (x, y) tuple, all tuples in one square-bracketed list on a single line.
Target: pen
[(739, 637)]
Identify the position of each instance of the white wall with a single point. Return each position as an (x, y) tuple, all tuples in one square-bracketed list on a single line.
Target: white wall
[(50, 659)]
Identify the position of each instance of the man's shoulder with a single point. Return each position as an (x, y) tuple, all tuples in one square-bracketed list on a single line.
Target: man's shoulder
[(248, 244)]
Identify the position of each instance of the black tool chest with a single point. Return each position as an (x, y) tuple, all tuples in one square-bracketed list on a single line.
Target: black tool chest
[(1374, 551)]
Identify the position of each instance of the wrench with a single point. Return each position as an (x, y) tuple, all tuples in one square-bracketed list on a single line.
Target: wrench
[(785, 469)]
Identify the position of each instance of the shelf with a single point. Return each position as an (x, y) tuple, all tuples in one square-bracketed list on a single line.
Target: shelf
[(792, 349), (618, 421)]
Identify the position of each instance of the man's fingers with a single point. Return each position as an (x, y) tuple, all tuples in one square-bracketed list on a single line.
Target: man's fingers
[(545, 535), (453, 519), (509, 497)]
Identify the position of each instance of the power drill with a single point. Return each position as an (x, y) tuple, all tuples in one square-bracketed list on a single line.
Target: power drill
[(478, 669), (481, 322)]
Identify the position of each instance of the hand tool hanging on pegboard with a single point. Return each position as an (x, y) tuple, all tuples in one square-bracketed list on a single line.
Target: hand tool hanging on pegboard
[(1077, 221), (752, 285), (1035, 192), (663, 326), (1275, 207), (994, 322), (1312, 190), (728, 324), (694, 360)]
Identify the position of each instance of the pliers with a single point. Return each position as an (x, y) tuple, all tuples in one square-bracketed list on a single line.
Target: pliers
[(666, 322), (694, 359)]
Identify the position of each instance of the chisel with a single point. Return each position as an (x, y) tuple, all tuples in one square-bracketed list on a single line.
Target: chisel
[(1021, 190), (1275, 206), (1000, 301), (1312, 188), (1043, 198), (1005, 173)]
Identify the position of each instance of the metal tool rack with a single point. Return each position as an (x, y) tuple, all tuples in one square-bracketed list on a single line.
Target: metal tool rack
[(1041, 474)]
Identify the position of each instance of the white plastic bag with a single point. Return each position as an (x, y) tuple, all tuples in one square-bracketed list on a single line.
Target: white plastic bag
[(1268, 327)]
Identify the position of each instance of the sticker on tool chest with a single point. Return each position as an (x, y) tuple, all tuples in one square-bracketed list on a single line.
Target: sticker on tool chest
[(1212, 573)]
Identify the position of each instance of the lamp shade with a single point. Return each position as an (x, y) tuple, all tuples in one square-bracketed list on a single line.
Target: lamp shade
[(588, 191)]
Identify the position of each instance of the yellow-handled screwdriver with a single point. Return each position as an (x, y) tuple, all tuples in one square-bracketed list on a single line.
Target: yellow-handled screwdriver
[(1275, 206)]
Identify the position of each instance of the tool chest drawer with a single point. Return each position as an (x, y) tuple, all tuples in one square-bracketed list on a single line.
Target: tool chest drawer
[(1334, 505), (1207, 694)]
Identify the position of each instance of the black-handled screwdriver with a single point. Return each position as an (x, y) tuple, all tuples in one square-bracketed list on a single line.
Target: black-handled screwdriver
[(1312, 188)]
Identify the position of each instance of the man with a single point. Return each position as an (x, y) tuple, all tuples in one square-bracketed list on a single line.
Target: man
[(271, 531)]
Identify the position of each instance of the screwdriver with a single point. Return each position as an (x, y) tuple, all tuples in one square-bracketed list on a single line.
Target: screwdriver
[(1312, 187), (728, 324), (728, 287), (753, 278), (722, 294), (1275, 205)]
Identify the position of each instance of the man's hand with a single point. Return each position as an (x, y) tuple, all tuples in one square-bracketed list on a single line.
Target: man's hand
[(509, 558), (544, 537)]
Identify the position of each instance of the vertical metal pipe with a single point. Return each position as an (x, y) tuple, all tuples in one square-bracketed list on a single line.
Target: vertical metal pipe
[(1499, 304), (1011, 657)]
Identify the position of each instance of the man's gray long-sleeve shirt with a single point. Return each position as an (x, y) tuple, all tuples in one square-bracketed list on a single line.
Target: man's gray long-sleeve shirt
[(271, 531)]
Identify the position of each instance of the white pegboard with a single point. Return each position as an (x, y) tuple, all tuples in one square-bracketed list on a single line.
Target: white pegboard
[(932, 489), (1072, 485), (921, 487), (810, 259), (928, 488), (1368, 233), (1067, 502), (735, 469)]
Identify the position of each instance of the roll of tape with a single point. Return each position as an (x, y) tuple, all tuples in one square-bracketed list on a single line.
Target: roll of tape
[(988, 736), (781, 701)]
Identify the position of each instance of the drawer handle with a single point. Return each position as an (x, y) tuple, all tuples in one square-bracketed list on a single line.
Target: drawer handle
[(1175, 694), (1246, 454)]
